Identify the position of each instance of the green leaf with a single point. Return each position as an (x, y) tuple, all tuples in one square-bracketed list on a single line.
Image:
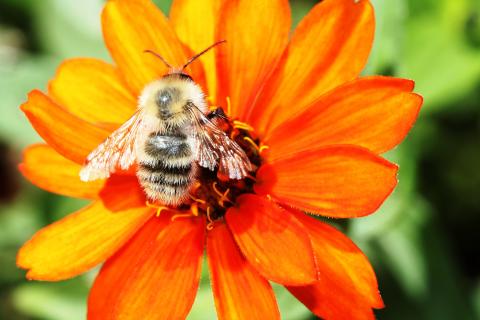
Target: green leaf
[(66, 30), (290, 307), (52, 301), (476, 300), (437, 53), (204, 306), (403, 250), (15, 82), (390, 18)]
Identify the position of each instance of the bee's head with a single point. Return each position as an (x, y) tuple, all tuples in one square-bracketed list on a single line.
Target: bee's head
[(176, 74), (167, 100)]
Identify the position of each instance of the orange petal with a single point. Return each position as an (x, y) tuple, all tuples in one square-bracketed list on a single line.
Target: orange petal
[(116, 187), (92, 90), (70, 136), (129, 28), (194, 22), (154, 276), (337, 181), (375, 113), (45, 168), (79, 242), (273, 241), (256, 33), (239, 291), (329, 47), (344, 270)]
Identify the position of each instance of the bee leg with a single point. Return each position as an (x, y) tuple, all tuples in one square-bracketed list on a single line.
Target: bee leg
[(217, 113)]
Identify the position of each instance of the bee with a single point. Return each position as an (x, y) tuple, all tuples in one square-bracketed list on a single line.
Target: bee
[(171, 135)]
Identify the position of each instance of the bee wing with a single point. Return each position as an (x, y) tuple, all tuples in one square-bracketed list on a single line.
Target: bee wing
[(118, 150), (213, 147)]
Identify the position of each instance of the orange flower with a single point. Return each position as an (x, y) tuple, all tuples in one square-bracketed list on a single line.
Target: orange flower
[(318, 132)]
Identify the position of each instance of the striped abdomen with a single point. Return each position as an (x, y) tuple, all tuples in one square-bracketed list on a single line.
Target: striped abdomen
[(167, 170)]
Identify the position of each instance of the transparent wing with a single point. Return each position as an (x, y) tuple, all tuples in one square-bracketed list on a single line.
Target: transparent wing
[(214, 148), (117, 151)]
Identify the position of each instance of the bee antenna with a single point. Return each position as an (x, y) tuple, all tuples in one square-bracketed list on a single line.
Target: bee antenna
[(195, 57), (159, 57)]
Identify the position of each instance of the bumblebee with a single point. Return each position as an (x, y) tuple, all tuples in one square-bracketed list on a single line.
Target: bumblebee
[(169, 137)]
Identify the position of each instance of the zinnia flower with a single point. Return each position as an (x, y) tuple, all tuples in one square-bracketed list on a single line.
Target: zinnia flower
[(299, 109)]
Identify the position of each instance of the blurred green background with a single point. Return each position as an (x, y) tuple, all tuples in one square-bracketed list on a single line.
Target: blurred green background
[(424, 242)]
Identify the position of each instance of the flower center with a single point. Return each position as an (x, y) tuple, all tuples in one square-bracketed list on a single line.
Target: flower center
[(213, 194)]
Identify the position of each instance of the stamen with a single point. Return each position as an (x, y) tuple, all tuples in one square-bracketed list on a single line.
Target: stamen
[(242, 125), (181, 215), (210, 223), (150, 205), (251, 177), (263, 147), (210, 226), (223, 196), (159, 211), (193, 213), (260, 148), (209, 217), (197, 200), (214, 186), (254, 145), (194, 190), (194, 209), (158, 208)]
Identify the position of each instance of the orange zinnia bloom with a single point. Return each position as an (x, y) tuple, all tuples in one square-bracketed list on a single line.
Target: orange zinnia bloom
[(318, 130)]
